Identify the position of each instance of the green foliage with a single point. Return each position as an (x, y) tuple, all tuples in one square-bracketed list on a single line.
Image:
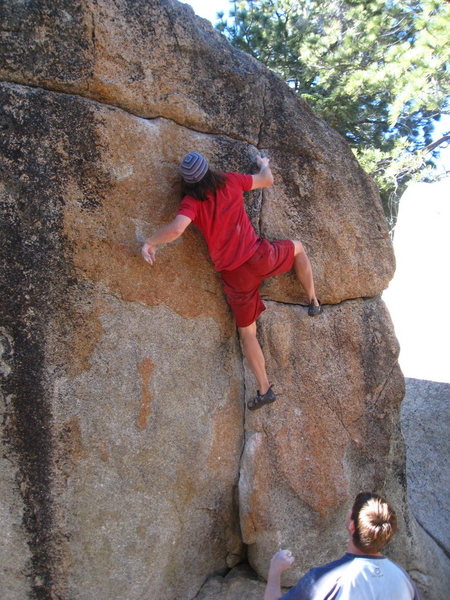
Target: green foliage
[(375, 70)]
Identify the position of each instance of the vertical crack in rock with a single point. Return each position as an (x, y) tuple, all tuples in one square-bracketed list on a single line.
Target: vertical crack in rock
[(260, 220), (385, 382), (244, 416), (41, 150), (263, 120), (241, 456), (93, 39), (260, 203), (173, 29)]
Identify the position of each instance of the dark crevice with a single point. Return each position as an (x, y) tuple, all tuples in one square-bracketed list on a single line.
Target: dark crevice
[(242, 569), (292, 303)]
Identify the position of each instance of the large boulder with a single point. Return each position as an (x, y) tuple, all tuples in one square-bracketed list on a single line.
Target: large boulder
[(330, 434), (125, 433), (155, 59), (425, 416), (140, 382)]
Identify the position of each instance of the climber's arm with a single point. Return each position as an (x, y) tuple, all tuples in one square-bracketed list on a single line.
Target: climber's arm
[(264, 178), (166, 234), (281, 561)]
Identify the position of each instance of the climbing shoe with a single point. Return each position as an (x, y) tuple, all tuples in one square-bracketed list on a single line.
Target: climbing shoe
[(261, 399), (314, 310)]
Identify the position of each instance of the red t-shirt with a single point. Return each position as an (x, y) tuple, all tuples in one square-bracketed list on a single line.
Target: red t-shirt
[(224, 222)]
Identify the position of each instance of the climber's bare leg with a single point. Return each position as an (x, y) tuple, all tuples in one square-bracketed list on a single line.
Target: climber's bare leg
[(303, 270), (254, 355)]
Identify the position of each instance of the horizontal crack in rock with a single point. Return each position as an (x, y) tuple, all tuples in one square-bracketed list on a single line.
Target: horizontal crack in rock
[(89, 98)]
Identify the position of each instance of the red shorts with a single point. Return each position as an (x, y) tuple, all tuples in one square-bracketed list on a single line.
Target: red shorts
[(241, 286)]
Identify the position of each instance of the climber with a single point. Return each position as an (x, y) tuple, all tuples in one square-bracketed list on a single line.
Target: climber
[(213, 201), (362, 572)]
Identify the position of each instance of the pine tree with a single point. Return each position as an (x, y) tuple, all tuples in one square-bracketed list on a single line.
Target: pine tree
[(375, 70)]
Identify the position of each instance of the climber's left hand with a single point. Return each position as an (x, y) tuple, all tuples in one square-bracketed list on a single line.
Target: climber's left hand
[(148, 253)]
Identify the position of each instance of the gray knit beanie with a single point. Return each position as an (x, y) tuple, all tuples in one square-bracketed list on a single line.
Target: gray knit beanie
[(193, 167)]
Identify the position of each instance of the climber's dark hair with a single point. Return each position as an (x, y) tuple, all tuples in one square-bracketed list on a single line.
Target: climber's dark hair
[(375, 522), (211, 182)]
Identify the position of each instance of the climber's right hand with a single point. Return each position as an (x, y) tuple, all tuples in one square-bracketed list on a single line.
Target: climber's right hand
[(262, 161), (281, 561)]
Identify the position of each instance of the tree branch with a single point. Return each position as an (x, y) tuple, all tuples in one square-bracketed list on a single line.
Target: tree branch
[(433, 145)]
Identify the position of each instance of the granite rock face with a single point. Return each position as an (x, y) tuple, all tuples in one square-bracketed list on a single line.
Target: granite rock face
[(136, 456), (327, 437), (154, 59), (240, 582), (131, 467), (425, 416)]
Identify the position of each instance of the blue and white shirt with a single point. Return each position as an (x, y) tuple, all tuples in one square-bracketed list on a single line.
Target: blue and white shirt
[(355, 577)]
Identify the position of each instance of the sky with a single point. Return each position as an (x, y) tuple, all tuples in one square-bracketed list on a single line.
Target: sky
[(414, 296), (208, 9)]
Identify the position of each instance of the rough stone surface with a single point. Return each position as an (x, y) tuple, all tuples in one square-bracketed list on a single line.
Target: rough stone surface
[(144, 450), (151, 497), (155, 59), (14, 552), (326, 205), (240, 582), (425, 416), (328, 435), (123, 390)]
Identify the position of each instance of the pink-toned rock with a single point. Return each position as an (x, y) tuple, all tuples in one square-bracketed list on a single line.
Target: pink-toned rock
[(329, 434), (155, 59), (144, 383), (329, 206)]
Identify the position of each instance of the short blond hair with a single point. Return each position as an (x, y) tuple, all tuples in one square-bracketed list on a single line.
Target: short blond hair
[(375, 522)]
